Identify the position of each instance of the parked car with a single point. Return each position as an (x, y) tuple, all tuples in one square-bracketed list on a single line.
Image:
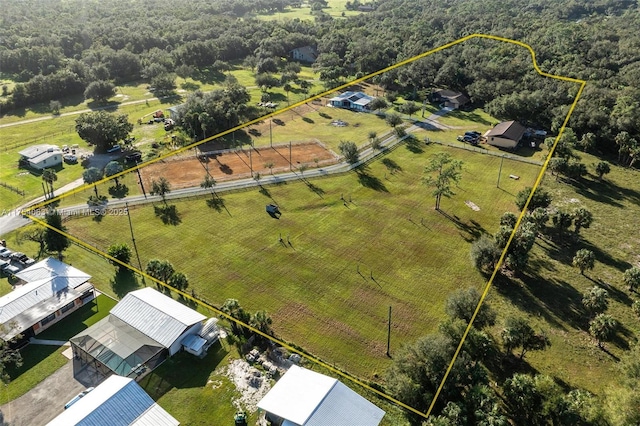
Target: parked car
[(70, 158), (473, 134), (115, 148), (5, 252), (8, 269), (133, 157)]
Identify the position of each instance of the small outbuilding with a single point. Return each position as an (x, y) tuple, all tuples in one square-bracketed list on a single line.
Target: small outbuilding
[(141, 331), (307, 54), (41, 156), (305, 398), (118, 401), (505, 135), (47, 292), (356, 101)]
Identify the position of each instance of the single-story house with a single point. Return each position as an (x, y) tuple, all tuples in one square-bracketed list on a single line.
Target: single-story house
[(41, 156), (356, 101), (118, 401), (307, 54), (141, 331), (366, 8), (50, 291), (450, 98), (505, 135), (305, 398)]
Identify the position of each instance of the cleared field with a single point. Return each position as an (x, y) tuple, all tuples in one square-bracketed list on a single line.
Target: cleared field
[(336, 9), (341, 264)]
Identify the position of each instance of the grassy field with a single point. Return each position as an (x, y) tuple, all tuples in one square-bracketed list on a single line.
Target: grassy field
[(336, 9), (422, 263)]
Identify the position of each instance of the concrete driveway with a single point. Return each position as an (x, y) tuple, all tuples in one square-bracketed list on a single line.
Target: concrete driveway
[(45, 401)]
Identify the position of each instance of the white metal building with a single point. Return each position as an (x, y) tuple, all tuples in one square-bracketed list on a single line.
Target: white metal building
[(118, 401), (51, 291), (41, 156), (139, 333), (305, 398)]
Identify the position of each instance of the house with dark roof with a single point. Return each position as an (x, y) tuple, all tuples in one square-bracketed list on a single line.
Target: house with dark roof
[(118, 401), (47, 292), (141, 331), (450, 98), (41, 156), (356, 101), (505, 135), (305, 398), (304, 54)]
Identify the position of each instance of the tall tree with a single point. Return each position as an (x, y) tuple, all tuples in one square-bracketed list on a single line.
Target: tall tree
[(602, 168), (232, 308), (584, 260), (9, 357), (49, 176), (631, 277), (517, 333), (100, 90), (596, 301), (113, 168), (208, 182), (103, 129), (54, 240), (179, 281), (121, 252), (349, 151), (603, 328), (161, 270), (540, 198), (91, 176), (447, 172), (161, 187), (36, 234), (485, 254), (582, 218), (463, 303), (394, 120)]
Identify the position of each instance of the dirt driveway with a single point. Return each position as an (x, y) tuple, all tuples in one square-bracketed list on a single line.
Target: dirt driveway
[(45, 401)]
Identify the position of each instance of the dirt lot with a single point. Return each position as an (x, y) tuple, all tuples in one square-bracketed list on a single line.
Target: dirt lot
[(186, 170)]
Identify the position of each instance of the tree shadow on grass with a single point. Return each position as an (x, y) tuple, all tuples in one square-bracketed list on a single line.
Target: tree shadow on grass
[(391, 165), (123, 282), (217, 204), (413, 145), (168, 214), (614, 293), (606, 192), (314, 188), (119, 191), (183, 371), (369, 181), (473, 228)]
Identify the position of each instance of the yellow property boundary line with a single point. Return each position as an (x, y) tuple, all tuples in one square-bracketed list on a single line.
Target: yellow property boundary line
[(487, 287)]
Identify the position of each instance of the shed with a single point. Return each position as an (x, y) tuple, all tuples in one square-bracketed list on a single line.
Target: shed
[(505, 135), (51, 290), (118, 401), (41, 156), (305, 398)]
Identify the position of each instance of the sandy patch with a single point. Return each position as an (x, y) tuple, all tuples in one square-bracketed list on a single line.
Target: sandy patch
[(250, 382), (472, 206)]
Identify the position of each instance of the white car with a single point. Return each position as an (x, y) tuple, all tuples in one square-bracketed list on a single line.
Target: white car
[(70, 158), (115, 148), (5, 252)]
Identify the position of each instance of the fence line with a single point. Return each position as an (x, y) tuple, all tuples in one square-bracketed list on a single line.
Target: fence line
[(12, 188)]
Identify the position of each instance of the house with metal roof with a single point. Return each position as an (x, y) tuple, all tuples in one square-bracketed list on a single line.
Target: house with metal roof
[(356, 101), (140, 332), (505, 135), (305, 398), (118, 401), (47, 292), (307, 54), (450, 98), (41, 156)]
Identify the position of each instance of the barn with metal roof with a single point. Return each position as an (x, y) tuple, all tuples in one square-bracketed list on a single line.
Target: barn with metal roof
[(139, 333), (47, 292), (118, 401), (305, 398)]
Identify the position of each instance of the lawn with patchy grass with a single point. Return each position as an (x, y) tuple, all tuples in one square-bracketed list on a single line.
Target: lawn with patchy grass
[(409, 256)]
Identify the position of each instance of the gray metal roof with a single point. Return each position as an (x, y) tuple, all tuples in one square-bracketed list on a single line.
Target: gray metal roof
[(43, 151), (156, 315), (118, 401), (50, 268), (304, 397)]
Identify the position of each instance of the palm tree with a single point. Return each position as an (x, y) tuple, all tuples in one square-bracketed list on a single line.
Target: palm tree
[(209, 182), (92, 175), (161, 187), (602, 328), (269, 165), (261, 321), (161, 270), (49, 176)]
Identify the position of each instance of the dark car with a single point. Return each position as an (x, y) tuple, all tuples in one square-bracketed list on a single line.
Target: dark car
[(133, 157)]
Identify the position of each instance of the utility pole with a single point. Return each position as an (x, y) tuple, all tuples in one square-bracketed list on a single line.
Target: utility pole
[(389, 334), (135, 247), (250, 161), (140, 179), (500, 172), (270, 134), (290, 163)]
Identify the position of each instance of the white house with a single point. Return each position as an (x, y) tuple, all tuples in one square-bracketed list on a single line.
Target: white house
[(305, 398), (41, 156), (356, 101), (139, 333), (505, 135), (118, 401), (51, 291), (304, 54)]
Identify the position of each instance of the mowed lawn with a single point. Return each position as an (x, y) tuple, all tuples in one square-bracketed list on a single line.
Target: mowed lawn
[(408, 256)]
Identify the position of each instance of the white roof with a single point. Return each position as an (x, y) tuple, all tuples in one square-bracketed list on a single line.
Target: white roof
[(118, 401), (304, 397), (156, 315), (37, 152), (51, 268)]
